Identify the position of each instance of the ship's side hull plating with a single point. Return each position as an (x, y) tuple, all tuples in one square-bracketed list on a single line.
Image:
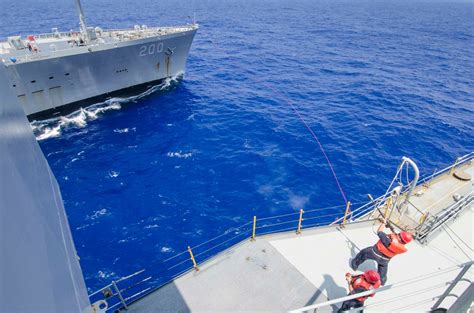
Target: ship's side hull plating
[(55, 84)]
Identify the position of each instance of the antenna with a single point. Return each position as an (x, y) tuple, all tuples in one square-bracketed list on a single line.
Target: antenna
[(82, 20)]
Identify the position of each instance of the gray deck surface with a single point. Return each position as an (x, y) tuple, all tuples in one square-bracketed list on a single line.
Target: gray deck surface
[(253, 275), (286, 271)]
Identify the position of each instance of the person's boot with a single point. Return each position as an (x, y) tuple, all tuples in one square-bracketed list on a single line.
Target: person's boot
[(352, 265)]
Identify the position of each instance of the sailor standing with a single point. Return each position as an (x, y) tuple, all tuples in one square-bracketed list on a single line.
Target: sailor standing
[(384, 250)]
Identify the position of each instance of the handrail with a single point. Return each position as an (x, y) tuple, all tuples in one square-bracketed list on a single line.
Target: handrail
[(465, 267), (452, 285), (436, 221), (461, 160)]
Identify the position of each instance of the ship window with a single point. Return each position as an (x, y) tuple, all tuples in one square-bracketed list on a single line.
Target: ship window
[(51, 77), (33, 81), (14, 85), (67, 74)]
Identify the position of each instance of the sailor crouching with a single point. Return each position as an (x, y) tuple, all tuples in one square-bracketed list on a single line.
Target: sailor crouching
[(357, 284), (384, 250)]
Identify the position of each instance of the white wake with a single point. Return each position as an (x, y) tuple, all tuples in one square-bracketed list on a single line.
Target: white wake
[(52, 127)]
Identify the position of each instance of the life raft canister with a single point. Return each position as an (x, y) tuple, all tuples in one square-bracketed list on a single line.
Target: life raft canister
[(395, 247), (361, 282)]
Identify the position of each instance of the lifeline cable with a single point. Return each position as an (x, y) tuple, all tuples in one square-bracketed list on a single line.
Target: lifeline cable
[(310, 130)]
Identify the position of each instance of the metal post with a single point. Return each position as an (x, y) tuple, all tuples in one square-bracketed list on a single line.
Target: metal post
[(348, 206), (466, 267), (454, 165), (404, 205), (298, 231), (119, 294), (388, 205), (254, 228), (193, 259)]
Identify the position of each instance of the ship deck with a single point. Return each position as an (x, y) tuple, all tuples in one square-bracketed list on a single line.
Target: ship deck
[(66, 43), (286, 271)]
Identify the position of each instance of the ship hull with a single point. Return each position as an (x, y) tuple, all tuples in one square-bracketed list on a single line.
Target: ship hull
[(61, 84)]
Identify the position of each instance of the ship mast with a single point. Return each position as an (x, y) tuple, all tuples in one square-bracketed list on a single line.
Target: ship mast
[(82, 20)]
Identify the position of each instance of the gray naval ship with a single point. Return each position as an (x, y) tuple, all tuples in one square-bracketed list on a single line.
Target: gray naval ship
[(293, 262), (62, 71)]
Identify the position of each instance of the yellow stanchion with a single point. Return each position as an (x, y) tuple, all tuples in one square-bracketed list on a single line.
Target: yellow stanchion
[(298, 231), (388, 205), (454, 166), (348, 206), (193, 259), (254, 228)]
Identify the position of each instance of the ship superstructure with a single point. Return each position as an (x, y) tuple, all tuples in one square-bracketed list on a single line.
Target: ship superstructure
[(62, 71)]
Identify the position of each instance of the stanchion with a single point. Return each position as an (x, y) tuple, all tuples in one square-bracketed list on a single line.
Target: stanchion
[(454, 166), (193, 259), (254, 228), (348, 206), (298, 231)]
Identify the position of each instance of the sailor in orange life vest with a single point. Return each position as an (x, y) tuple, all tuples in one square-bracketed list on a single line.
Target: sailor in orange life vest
[(360, 283), (386, 248)]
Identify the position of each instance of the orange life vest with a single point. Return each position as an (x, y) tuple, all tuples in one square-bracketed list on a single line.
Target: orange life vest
[(395, 247), (361, 282)]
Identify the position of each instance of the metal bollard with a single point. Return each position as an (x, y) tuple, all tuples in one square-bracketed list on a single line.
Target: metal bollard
[(348, 206), (298, 231), (193, 259), (254, 228)]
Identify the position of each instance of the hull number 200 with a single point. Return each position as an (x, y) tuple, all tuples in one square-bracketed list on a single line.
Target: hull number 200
[(151, 49)]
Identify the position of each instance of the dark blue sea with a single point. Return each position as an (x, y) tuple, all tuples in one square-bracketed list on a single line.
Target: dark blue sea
[(143, 178)]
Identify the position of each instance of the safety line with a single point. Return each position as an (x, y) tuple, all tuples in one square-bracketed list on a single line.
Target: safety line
[(456, 243), (454, 233)]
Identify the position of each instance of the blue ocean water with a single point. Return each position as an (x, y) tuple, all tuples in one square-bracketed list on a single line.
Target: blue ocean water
[(144, 178)]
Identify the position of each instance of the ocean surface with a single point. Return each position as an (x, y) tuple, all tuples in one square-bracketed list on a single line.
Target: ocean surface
[(142, 178)]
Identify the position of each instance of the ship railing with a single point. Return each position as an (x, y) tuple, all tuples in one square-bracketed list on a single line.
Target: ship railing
[(122, 291), (71, 34), (297, 221), (448, 169), (435, 222), (430, 280)]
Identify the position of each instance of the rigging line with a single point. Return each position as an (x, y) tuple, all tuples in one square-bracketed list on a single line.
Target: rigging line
[(313, 134), (456, 243), (407, 295), (289, 102), (454, 233)]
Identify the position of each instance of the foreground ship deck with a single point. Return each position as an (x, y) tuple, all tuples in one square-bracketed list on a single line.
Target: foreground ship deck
[(285, 271)]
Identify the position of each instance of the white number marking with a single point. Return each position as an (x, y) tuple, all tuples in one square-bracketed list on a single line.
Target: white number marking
[(151, 49), (142, 51)]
